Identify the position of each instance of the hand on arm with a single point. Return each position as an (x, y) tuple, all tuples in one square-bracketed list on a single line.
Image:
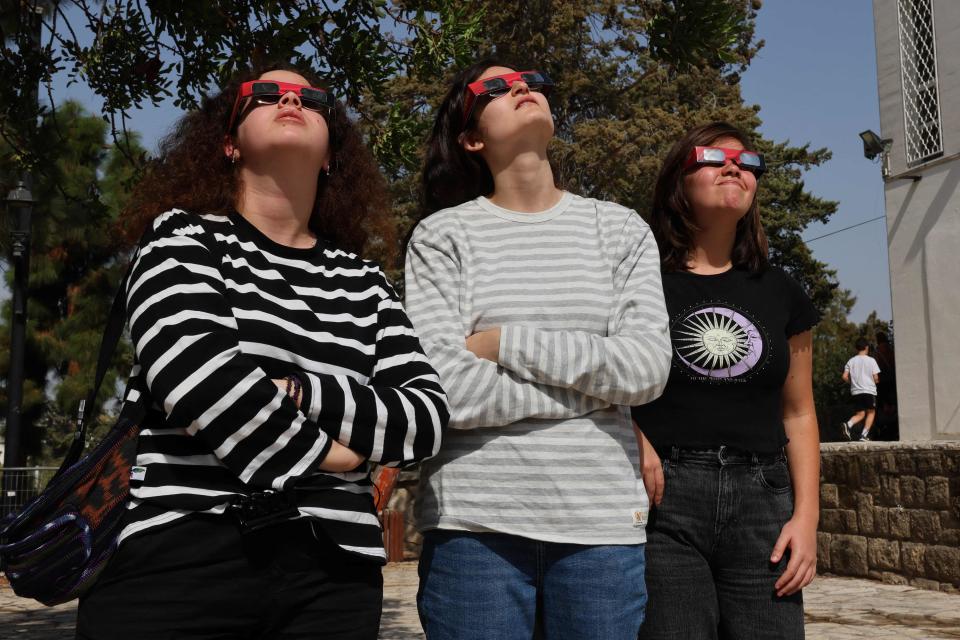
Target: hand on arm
[(339, 458), (396, 418), (629, 365), (799, 534), (485, 344), (481, 393)]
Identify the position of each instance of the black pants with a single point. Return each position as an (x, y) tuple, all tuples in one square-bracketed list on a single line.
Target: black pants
[(709, 574), (201, 578)]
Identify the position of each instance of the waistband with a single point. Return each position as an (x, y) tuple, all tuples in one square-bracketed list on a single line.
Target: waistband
[(724, 455)]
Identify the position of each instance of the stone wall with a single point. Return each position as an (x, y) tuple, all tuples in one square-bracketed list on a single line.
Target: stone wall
[(888, 511), (891, 511)]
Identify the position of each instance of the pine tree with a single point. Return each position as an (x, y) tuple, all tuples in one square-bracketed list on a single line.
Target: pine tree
[(631, 78), (75, 267)]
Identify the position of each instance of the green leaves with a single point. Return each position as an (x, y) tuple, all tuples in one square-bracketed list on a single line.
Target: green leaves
[(702, 33), (131, 52)]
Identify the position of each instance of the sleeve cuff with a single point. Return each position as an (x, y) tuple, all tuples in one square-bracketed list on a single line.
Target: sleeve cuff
[(511, 337), (306, 394), (324, 451), (310, 403)]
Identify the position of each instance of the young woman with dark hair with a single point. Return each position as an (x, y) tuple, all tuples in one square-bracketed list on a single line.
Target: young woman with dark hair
[(275, 364), (730, 450), (542, 311)]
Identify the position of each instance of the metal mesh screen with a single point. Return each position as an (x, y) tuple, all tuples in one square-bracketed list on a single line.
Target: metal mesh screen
[(20, 485), (918, 70)]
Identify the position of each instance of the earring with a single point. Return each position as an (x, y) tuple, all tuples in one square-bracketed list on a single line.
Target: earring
[(327, 171), (234, 157)]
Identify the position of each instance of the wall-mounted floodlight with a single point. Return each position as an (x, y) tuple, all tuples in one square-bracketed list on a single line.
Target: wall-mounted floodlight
[(874, 145)]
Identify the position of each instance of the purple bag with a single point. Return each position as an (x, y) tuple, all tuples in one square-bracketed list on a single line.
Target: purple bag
[(55, 548)]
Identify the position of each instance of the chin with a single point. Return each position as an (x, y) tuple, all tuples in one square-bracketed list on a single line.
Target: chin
[(735, 205), (304, 148), (541, 123)]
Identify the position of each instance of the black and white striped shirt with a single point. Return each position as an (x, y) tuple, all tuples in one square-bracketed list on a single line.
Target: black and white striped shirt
[(216, 310)]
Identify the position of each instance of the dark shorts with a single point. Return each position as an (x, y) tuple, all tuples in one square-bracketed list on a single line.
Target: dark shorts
[(864, 401)]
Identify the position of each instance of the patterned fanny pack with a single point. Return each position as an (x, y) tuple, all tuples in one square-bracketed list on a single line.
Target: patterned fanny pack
[(55, 548)]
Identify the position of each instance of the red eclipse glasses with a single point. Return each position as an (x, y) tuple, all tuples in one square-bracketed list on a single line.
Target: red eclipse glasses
[(499, 86), (747, 160), (270, 92)]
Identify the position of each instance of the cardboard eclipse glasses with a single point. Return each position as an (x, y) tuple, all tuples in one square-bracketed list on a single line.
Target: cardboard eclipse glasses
[(270, 92), (499, 86), (747, 160)]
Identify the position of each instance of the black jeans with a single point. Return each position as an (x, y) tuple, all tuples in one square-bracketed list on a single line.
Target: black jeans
[(201, 578), (709, 574)]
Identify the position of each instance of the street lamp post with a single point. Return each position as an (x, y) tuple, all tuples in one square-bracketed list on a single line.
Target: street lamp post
[(20, 203)]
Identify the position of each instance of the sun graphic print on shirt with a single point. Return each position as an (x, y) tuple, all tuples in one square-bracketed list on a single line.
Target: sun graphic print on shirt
[(717, 342)]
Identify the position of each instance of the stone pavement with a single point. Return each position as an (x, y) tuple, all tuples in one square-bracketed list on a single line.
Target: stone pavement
[(836, 608)]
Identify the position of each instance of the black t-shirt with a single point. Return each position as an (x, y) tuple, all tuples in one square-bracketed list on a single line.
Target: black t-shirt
[(730, 360)]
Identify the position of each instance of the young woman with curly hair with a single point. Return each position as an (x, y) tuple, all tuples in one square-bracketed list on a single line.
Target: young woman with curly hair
[(276, 364), (731, 449), (542, 310)]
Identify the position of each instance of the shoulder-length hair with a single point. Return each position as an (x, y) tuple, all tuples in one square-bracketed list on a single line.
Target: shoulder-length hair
[(671, 217), (451, 174), (191, 172)]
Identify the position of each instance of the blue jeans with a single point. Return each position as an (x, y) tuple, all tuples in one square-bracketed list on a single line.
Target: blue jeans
[(709, 542), (487, 586)]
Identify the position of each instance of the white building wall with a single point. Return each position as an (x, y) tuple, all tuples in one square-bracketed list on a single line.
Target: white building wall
[(923, 231)]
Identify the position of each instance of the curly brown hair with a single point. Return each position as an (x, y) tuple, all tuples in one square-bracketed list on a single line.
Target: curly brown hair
[(191, 172), (671, 217)]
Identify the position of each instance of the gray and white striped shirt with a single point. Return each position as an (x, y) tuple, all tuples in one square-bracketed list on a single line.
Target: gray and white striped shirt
[(540, 445)]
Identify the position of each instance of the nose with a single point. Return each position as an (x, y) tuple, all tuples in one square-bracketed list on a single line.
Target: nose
[(519, 87), (730, 167), (290, 98)]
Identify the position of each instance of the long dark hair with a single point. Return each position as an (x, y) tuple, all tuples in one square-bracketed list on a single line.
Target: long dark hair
[(451, 174), (191, 172), (671, 217)]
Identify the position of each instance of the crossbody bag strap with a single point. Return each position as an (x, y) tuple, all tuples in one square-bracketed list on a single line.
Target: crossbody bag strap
[(108, 346)]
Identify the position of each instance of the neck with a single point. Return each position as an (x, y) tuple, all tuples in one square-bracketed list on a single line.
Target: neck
[(524, 182), (279, 203), (713, 249), (862, 353)]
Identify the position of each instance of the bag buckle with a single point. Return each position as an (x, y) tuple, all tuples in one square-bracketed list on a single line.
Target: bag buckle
[(263, 508)]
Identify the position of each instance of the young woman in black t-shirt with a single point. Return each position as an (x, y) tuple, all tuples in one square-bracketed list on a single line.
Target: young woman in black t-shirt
[(731, 449)]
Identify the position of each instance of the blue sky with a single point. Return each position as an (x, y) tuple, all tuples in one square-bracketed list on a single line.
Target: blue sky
[(815, 81)]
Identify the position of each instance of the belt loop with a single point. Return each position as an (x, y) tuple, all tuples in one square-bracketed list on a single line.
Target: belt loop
[(674, 455), (754, 459), (720, 453)]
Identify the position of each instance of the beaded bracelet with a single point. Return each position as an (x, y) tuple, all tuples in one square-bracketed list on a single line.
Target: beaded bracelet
[(296, 386)]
